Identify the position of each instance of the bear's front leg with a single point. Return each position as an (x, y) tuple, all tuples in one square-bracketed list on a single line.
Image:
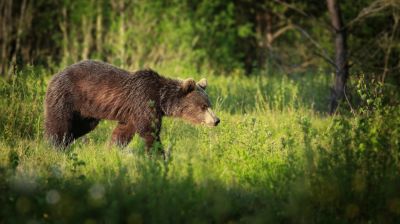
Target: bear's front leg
[(151, 137), (151, 140), (123, 134)]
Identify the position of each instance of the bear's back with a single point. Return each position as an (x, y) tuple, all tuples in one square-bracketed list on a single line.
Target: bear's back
[(97, 89), (95, 69), (100, 72)]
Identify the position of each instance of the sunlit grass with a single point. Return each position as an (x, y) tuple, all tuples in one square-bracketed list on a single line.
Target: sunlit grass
[(275, 157)]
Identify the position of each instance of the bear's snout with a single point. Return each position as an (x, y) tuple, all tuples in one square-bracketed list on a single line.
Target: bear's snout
[(210, 118), (217, 121)]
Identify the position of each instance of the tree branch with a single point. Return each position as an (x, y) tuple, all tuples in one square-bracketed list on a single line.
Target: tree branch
[(323, 53), (372, 9), (281, 31)]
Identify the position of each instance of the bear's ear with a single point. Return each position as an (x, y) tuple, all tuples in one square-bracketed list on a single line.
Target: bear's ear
[(188, 85), (202, 83)]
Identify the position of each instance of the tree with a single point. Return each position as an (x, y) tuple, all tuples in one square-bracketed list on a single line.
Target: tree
[(341, 63)]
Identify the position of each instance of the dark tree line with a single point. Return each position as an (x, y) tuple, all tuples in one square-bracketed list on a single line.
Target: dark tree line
[(342, 37)]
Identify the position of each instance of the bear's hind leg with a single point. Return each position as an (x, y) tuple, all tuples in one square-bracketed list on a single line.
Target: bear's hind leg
[(58, 131)]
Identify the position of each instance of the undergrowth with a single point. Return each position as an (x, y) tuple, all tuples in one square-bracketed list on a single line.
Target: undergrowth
[(276, 157)]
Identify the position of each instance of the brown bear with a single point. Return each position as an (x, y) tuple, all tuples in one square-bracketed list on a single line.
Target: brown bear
[(88, 91)]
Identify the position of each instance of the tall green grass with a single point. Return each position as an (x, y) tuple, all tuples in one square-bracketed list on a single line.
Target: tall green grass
[(275, 158)]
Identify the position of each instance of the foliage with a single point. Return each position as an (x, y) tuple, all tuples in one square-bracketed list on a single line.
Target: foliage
[(223, 36), (273, 159)]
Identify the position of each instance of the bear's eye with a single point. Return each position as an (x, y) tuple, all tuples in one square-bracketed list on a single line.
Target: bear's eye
[(204, 107)]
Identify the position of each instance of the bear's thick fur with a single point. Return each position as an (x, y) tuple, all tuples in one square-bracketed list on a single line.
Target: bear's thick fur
[(86, 92)]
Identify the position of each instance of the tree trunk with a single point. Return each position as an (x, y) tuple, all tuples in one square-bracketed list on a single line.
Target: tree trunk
[(6, 26), (342, 68)]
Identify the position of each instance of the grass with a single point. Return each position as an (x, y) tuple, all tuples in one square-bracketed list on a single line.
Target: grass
[(275, 158)]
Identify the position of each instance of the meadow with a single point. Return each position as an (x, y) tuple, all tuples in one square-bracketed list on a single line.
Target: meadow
[(276, 157)]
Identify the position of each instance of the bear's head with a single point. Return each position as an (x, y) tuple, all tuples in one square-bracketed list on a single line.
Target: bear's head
[(194, 105)]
